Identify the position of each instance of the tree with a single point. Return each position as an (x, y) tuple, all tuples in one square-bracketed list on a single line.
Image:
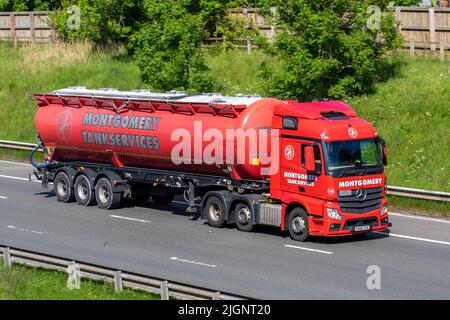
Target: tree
[(167, 46), (29, 5), (328, 49), (101, 21)]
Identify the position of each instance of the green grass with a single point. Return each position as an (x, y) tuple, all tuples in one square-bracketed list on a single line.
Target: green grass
[(24, 283), (37, 69), (411, 112), (419, 206)]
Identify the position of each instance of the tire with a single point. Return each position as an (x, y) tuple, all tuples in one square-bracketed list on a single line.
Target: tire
[(298, 225), (84, 193), (106, 198), (63, 190), (161, 200), (215, 212), (243, 217)]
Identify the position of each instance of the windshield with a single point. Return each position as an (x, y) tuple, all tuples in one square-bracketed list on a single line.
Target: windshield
[(353, 154)]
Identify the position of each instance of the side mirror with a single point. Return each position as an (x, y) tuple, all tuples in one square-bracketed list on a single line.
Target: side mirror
[(310, 160), (385, 153)]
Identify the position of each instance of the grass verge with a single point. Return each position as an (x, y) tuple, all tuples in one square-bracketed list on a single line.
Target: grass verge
[(24, 283)]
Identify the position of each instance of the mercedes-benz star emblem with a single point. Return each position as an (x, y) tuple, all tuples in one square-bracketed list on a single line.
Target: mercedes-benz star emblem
[(361, 194)]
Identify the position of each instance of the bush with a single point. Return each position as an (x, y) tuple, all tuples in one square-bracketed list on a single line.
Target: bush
[(29, 5), (327, 48), (168, 45), (101, 21)]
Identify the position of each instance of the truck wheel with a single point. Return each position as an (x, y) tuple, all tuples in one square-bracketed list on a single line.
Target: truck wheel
[(83, 191), (63, 190), (160, 200), (215, 210), (106, 198), (243, 217), (298, 225)]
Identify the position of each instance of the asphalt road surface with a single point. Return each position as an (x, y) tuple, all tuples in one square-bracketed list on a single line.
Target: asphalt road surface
[(413, 260)]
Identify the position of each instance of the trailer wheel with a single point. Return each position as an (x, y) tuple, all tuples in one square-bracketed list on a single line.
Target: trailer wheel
[(63, 190), (84, 193), (243, 217), (215, 212), (298, 225), (160, 200), (106, 198)]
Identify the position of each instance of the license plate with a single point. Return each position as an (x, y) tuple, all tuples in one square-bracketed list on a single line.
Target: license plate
[(361, 228)]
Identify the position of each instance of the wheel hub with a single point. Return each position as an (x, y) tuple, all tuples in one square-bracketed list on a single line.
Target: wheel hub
[(103, 194), (244, 215), (215, 211), (62, 187), (298, 225)]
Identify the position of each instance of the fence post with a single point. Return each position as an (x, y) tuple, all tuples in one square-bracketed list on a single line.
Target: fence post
[(398, 15), (13, 29), (432, 29), (32, 27), (118, 285), (249, 47), (412, 48), (7, 257), (165, 290)]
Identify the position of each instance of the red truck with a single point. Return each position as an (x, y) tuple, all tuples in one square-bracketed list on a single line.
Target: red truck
[(314, 169)]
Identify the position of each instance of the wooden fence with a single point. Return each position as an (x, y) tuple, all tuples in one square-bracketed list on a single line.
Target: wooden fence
[(422, 28), (26, 27)]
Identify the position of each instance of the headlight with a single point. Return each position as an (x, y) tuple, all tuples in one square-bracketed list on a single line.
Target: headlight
[(334, 214), (383, 211)]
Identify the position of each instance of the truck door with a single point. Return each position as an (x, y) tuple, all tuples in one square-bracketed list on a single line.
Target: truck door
[(294, 176)]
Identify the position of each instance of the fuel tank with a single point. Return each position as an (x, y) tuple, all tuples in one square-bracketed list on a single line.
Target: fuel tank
[(171, 131)]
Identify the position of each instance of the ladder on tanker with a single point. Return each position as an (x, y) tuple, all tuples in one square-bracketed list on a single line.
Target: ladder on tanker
[(145, 100)]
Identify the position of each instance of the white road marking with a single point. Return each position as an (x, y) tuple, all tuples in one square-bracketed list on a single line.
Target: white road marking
[(308, 249), (415, 238), (17, 163), (26, 230), (22, 179), (15, 178), (182, 202), (194, 262), (130, 219), (2, 197), (418, 217)]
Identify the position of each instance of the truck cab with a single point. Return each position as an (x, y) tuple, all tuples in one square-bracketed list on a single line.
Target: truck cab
[(331, 180)]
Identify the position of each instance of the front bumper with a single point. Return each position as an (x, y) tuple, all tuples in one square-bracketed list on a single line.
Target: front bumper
[(350, 224)]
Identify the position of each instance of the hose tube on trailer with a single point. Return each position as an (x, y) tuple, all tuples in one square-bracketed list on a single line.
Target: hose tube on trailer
[(41, 166)]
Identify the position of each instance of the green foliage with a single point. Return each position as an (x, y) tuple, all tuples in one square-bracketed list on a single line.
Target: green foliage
[(29, 5), (406, 3), (101, 21), (167, 47), (23, 283), (327, 48)]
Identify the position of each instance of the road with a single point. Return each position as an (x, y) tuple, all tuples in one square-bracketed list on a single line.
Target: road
[(414, 259)]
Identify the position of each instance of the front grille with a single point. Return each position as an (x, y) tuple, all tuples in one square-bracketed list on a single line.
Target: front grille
[(350, 203), (372, 222)]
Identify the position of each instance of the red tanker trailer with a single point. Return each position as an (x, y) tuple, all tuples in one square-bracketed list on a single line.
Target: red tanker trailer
[(310, 168)]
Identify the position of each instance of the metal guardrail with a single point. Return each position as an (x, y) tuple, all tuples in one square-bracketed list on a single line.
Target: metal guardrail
[(17, 145), (120, 279), (392, 190)]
